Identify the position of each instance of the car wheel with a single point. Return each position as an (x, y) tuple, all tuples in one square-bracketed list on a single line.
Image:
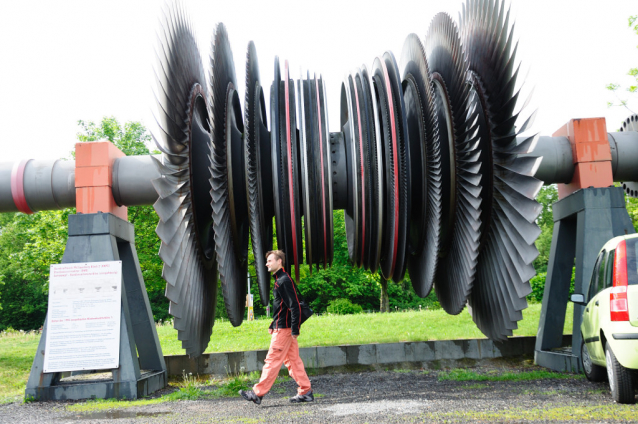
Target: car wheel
[(620, 383), (593, 372)]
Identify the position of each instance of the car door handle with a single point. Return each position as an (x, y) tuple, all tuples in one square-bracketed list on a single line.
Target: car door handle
[(586, 309), (596, 303)]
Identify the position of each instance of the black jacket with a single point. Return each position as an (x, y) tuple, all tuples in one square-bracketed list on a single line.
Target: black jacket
[(286, 307)]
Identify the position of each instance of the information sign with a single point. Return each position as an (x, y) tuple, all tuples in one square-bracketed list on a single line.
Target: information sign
[(83, 320)]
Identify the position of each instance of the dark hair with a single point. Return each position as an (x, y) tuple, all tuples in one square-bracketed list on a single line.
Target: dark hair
[(279, 254)]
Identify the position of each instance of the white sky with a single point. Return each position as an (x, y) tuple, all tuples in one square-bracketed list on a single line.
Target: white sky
[(71, 60)]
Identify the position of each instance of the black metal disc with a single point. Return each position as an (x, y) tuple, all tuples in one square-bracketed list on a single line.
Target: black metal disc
[(389, 230), (425, 155), (354, 214), (258, 173), (630, 124), (307, 170), (315, 176), (327, 170), (276, 159), (509, 188), (185, 216), (287, 162), (388, 91), (404, 166), (227, 180), (373, 170), (461, 206)]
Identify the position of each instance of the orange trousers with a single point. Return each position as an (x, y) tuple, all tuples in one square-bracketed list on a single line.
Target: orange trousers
[(284, 349)]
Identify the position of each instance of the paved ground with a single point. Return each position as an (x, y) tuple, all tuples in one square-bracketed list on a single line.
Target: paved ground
[(374, 397)]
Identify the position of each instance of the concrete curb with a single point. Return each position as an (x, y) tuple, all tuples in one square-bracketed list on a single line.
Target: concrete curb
[(430, 354)]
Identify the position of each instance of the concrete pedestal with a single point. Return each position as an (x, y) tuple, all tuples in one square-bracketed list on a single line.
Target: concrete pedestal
[(105, 237), (583, 222)]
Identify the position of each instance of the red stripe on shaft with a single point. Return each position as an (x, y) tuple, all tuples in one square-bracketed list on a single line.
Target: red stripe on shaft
[(323, 189), (17, 186), (290, 176), (396, 166)]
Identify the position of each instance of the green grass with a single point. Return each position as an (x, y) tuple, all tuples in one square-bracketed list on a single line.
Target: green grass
[(18, 349), (551, 392), (332, 330), (475, 386), (544, 413), (463, 374), (190, 388), (109, 404)]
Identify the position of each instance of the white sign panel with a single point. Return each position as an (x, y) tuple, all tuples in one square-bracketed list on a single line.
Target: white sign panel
[(83, 321)]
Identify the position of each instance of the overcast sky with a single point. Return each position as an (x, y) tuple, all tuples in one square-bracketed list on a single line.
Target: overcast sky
[(71, 60)]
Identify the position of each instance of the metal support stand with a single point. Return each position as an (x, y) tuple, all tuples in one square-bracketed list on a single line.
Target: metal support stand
[(105, 237), (583, 222)]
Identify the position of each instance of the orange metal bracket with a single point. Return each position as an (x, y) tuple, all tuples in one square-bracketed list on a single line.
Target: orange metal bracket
[(590, 152), (93, 178)]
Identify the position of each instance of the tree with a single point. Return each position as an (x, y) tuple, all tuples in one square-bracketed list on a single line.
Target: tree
[(547, 196), (633, 72), (385, 297), (361, 287), (630, 203), (30, 243), (133, 139)]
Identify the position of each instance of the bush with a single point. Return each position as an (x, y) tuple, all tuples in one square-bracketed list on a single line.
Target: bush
[(538, 286), (343, 307)]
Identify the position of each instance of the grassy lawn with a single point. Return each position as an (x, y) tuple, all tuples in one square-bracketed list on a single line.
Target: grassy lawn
[(17, 349), (463, 374), (546, 412), (16, 356), (331, 330)]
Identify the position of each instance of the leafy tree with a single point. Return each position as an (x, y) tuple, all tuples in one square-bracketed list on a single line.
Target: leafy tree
[(30, 243), (633, 72), (547, 196), (342, 280), (630, 203), (384, 304), (132, 139), (343, 307), (361, 287)]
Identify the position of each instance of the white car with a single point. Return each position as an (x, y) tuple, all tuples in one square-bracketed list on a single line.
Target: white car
[(610, 319)]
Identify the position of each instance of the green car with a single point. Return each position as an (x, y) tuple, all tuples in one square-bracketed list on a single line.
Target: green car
[(610, 318)]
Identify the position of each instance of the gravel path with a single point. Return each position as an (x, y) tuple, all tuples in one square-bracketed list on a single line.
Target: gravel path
[(374, 397)]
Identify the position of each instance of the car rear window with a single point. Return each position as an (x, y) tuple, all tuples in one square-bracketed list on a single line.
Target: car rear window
[(632, 261)]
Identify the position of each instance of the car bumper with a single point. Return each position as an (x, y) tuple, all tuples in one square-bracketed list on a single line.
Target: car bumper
[(625, 336), (623, 339)]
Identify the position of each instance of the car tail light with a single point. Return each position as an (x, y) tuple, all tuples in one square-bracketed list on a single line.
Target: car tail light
[(618, 296)]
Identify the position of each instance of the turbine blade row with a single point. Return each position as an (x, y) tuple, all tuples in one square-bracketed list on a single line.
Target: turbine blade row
[(228, 196), (183, 137), (509, 212), (425, 166), (258, 172)]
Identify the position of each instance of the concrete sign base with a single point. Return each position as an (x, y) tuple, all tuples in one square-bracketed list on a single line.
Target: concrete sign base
[(105, 237), (583, 222)]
